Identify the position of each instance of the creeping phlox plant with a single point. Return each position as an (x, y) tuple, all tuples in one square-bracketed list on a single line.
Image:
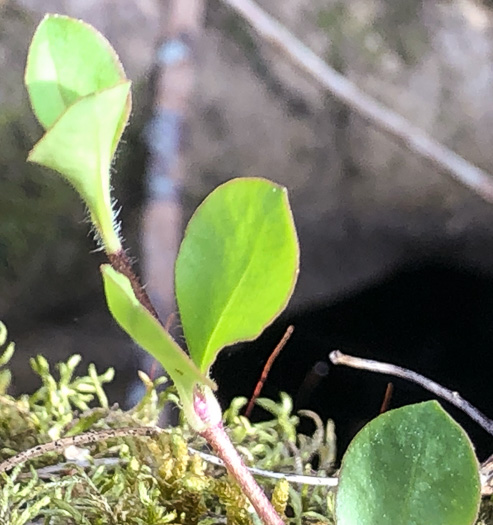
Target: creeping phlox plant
[(234, 274)]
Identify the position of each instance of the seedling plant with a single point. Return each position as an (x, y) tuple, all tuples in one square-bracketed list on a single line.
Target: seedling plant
[(235, 272)]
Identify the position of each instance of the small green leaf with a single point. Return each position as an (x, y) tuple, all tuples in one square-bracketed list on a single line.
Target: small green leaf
[(148, 333), (80, 147), (410, 466), (237, 266), (68, 59), (79, 92)]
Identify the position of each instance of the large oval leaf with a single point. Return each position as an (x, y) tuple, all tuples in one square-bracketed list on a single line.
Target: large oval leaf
[(148, 333), (237, 266), (410, 466)]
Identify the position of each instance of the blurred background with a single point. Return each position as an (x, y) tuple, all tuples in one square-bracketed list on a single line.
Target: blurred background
[(397, 256)]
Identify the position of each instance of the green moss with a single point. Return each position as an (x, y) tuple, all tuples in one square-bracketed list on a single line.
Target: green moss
[(140, 480), (146, 481)]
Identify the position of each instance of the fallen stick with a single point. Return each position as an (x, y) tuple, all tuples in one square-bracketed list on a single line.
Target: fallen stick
[(378, 115), (454, 398), (61, 444)]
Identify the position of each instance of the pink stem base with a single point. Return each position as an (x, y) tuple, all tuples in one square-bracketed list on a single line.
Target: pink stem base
[(207, 409), (220, 442)]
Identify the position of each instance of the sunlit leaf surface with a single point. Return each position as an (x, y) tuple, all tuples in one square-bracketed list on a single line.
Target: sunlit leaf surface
[(237, 266)]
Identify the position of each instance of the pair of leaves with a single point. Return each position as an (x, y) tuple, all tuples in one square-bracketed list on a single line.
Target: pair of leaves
[(81, 97), (410, 466), (238, 262), (235, 272)]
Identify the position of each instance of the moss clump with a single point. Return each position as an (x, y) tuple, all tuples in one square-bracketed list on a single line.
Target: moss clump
[(149, 481), (142, 480)]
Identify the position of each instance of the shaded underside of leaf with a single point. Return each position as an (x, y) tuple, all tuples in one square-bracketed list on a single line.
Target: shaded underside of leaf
[(237, 266), (410, 466)]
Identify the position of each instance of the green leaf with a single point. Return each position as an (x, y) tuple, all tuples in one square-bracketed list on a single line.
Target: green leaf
[(68, 59), (80, 95), (410, 466), (148, 333), (237, 266), (80, 147)]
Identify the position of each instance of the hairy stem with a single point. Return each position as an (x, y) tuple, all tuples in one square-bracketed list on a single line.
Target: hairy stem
[(121, 263), (207, 408)]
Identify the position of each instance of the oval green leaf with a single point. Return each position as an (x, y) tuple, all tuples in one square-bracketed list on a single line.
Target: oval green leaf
[(149, 334), (68, 59), (410, 466), (236, 267)]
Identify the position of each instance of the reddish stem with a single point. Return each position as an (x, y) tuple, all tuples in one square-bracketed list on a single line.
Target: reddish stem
[(121, 263), (208, 410), (220, 442), (266, 370), (386, 400)]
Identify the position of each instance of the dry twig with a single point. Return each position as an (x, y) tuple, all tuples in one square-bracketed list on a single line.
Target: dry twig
[(338, 358), (378, 115), (61, 444)]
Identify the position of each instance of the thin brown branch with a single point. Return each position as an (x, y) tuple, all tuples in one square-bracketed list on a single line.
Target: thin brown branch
[(386, 398), (338, 358), (82, 439), (266, 370), (95, 436), (378, 115)]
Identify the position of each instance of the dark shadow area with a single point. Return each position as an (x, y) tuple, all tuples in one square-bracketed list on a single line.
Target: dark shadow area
[(435, 319)]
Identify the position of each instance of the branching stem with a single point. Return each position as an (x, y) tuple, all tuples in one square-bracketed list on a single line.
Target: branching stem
[(208, 410)]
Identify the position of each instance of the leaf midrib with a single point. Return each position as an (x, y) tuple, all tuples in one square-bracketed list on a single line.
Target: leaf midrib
[(232, 296)]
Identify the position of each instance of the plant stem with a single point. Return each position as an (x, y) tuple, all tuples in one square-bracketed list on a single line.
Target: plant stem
[(266, 370), (208, 410), (121, 263), (220, 442), (81, 439)]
